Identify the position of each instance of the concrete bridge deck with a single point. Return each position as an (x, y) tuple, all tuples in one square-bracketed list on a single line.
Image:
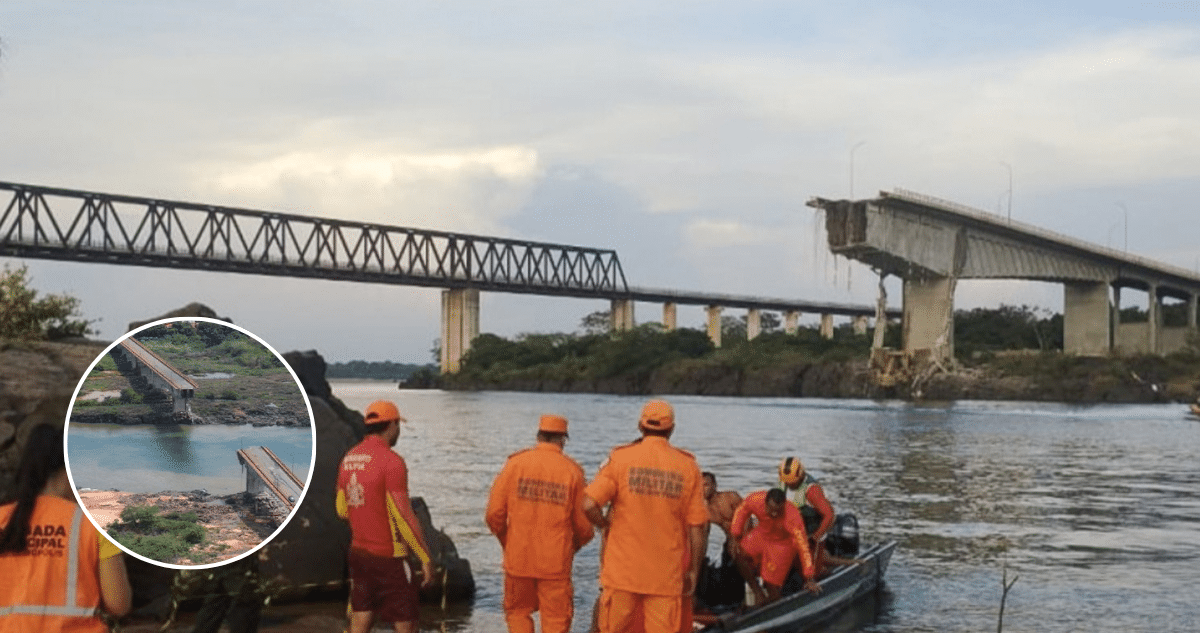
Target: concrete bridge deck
[(932, 243), (159, 373), (266, 474)]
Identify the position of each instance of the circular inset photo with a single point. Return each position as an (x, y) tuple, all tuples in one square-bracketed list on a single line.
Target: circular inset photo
[(190, 442)]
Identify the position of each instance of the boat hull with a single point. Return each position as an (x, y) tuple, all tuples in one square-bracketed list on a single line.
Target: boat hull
[(801, 610)]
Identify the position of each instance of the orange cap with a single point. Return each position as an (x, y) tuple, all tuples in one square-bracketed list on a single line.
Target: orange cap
[(382, 412), (553, 424), (657, 415)]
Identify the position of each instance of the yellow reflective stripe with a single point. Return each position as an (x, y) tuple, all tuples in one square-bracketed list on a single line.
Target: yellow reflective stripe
[(401, 529), (342, 510)]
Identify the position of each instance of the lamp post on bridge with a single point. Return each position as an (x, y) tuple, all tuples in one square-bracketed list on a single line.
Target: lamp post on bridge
[(1126, 214), (1010, 191), (852, 150)]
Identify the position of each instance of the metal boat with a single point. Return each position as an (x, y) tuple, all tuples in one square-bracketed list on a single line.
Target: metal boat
[(799, 611)]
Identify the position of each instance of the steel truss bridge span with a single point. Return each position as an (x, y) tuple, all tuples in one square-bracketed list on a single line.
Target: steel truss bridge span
[(72, 225)]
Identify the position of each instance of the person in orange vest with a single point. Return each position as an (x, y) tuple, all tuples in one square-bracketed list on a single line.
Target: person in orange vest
[(773, 544), (654, 542), (808, 496), (59, 571), (372, 494), (535, 510)]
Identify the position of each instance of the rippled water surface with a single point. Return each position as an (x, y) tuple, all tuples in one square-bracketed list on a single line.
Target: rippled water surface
[(1093, 509)]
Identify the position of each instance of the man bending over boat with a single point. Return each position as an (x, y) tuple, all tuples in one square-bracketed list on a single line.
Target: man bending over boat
[(773, 544)]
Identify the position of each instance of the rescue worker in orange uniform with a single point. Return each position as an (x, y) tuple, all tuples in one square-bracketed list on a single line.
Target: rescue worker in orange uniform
[(654, 532), (535, 510), (57, 571), (774, 543), (372, 494)]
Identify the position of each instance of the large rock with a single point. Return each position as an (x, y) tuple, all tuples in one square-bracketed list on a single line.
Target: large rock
[(38, 380), (193, 309)]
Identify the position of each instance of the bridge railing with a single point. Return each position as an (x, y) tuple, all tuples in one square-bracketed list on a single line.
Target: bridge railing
[(67, 224)]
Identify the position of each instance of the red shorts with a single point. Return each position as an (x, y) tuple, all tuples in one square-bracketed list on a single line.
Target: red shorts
[(773, 557), (382, 585)]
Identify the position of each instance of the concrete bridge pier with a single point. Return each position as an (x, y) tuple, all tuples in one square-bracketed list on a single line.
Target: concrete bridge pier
[(1154, 322), (753, 323), (827, 326), (1086, 318), (714, 324), (622, 314), (460, 325), (791, 321), (928, 316), (860, 325), (669, 322)]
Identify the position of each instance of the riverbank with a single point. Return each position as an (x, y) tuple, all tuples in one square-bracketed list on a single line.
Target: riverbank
[(1032, 377), (231, 526)]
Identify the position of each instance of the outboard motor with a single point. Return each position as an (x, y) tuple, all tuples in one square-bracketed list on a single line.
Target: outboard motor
[(842, 539)]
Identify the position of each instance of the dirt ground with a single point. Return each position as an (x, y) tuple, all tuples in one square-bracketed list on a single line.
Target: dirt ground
[(230, 524)]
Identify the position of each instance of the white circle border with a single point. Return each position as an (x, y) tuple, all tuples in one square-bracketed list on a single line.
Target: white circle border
[(312, 426)]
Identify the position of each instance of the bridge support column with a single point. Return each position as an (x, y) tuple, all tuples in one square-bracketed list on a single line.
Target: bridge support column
[(622, 315), (1191, 310), (753, 324), (669, 317), (714, 324), (1086, 318), (860, 325), (826, 326), (1154, 323), (928, 316), (460, 325), (791, 321)]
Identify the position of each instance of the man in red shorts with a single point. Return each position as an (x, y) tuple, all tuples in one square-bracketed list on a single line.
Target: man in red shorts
[(372, 494), (774, 543)]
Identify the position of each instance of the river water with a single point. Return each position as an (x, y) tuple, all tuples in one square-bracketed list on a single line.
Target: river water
[(155, 458), (1093, 510)]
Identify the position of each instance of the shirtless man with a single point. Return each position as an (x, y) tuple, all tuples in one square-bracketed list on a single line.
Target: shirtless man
[(721, 506)]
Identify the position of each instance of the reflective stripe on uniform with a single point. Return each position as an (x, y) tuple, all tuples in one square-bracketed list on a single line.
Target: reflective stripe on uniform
[(68, 608), (43, 609), (73, 559)]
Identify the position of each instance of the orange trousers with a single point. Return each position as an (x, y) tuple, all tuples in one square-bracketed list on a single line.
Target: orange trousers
[(625, 612), (553, 599)]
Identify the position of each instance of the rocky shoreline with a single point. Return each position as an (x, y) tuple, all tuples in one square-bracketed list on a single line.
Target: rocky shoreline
[(230, 522)]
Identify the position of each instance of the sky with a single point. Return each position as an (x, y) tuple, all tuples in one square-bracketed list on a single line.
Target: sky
[(686, 136)]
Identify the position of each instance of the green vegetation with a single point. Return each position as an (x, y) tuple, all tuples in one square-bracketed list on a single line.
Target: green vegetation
[(201, 347), (378, 370), (238, 378), (633, 359), (23, 316), (164, 537), (1010, 342)]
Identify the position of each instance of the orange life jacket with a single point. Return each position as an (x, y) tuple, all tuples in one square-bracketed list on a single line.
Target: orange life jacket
[(55, 584)]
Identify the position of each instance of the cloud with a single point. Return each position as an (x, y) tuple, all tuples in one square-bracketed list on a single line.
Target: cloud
[(465, 191), (706, 233)]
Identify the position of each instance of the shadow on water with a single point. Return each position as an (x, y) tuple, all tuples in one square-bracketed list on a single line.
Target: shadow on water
[(173, 449)]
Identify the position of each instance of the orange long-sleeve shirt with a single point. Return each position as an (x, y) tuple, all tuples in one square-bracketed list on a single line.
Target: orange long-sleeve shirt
[(787, 527), (535, 509), (656, 494)]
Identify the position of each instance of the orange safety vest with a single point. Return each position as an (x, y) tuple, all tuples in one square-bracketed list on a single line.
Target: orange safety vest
[(55, 584)]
